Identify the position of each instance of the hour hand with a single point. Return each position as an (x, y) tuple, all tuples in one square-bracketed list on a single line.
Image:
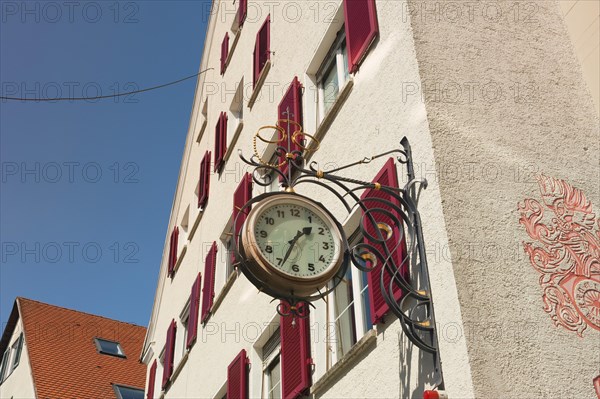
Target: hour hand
[(306, 230)]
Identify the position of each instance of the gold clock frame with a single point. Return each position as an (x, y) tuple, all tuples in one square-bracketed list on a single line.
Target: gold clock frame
[(269, 273)]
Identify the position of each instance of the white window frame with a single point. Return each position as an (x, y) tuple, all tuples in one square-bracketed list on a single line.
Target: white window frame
[(268, 366), (4, 365), (360, 311), (16, 353), (334, 55), (121, 352), (184, 319), (118, 392)]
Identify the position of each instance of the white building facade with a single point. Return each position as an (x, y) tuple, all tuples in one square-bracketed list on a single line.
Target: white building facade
[(484, 92)]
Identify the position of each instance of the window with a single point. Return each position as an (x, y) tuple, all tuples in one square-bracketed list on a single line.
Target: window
[(237, 376), (229, 257), (236, 110), (224, 53), (262, 49), (185, 223), (169, 352), (152, 380), (289, 113), (242, 12), (208, 290), (271, 352), (4, 367), (332, 75), (296, 360), (191, 323), (107, 347), (204, 120), (204, 181), (374, 199), (16, 350), (242, 194), (220, 142), (362, 28), (173, 245), (124, 392), (184, 318), (350, 308)]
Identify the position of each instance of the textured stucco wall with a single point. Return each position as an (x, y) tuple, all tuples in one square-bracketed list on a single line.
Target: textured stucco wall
[(505, 100), (373, 119), (19, 384)]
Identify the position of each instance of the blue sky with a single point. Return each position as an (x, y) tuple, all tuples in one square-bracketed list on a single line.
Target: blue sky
[(87, 187)]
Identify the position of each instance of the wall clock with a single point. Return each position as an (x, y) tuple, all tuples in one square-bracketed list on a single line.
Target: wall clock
[(292, 244)]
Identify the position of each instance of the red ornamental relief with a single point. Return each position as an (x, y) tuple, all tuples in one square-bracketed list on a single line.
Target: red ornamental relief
[(566, 251)]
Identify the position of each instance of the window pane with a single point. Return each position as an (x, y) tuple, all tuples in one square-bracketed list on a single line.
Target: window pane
[(4, 364), (130, 393), (344, 309), (274, 380), (330, 87), (345, 66), (109, 347), (17, 347)]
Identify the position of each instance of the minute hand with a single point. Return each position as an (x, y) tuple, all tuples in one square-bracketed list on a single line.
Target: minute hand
[(292, 242)]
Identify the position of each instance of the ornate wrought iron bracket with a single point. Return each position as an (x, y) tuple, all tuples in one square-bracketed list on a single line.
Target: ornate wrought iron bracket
[(389, 224)]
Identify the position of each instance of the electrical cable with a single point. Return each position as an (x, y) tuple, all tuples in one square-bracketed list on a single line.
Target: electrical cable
[(107, 96)]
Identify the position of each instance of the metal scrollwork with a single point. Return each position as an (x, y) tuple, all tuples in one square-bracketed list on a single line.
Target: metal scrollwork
[(390, 224)]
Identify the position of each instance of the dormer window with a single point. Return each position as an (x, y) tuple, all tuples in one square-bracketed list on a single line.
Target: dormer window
[(107, 347), (125, 392)]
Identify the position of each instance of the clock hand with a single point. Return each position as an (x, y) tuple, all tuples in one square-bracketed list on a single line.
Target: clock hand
[(293, 241)]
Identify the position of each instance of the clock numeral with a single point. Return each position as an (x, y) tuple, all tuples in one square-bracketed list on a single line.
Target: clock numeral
[(321, 231), (270, 221), (280, 214), (310, 219), (296, 268), (295, 212), (322, 258), (279, 260), (311, 267), (263, 234), (325, 245), (269, 249)]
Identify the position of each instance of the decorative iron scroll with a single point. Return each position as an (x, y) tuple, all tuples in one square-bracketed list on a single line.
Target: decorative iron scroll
[(415, 307)]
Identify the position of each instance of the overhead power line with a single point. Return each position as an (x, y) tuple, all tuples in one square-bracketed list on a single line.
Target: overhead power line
[(107, 96)]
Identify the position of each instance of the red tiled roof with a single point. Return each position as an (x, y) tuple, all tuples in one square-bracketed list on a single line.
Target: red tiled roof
[(64, 360)]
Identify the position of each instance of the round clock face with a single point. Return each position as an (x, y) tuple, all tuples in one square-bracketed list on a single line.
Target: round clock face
[(294, 244), (295, 240)]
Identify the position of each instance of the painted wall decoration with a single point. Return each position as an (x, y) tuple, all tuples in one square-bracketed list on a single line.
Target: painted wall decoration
[(566, 252)]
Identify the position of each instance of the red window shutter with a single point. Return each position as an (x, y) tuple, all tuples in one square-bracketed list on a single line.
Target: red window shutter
[(242, 12), (387, 176), (255, 64), (242, 194), (169, 352), (292, 100), (361, 29), (218, 135), (224, 52), (208, 291), (224, 120), (170, 257), (194, 307), (237, 377), (295, 356), (175, 246), (262, 48), (173, 250), (151, 381), (204, 182)]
